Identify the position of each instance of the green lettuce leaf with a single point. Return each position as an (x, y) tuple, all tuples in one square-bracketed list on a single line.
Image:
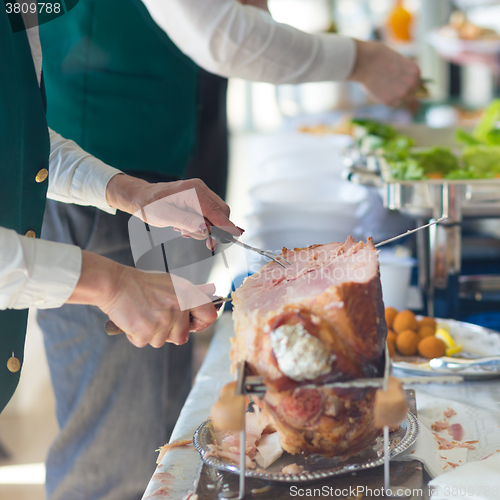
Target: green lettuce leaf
[(485, 160), (493, 137), (373, 127), (488, 121), (437, 159), (466, 138)]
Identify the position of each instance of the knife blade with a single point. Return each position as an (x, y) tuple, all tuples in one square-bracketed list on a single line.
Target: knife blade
[(255, 384)]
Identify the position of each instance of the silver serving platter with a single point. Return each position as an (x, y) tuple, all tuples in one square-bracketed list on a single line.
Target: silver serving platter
[(315, 466), (477, 341)]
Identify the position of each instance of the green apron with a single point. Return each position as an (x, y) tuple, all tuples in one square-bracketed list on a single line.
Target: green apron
[(24, 151), (120, 88)]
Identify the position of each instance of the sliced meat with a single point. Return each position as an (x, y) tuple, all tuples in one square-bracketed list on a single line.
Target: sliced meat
[(456, 431), (319, 320), (440, 426), (450, 412), (292, 469)]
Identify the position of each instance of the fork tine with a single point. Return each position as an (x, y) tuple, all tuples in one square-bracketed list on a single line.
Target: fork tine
[(275, 260), (265, 253), (278, 256)]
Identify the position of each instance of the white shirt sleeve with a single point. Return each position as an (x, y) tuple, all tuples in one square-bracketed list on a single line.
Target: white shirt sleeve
[(231, 39), (76, 176), (36, 273)]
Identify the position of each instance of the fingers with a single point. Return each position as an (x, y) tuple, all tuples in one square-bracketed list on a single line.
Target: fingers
[(412, 82), (215, 210), (179, 333), (388, 76), (202, 317), (187, 206), (154, 308), (195, 236)]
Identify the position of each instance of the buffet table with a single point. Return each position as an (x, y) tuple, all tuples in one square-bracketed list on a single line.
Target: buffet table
[(477, 405)]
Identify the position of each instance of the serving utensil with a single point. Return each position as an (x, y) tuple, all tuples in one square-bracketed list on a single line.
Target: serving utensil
[(224, 237), (410, 231), (458, 363)]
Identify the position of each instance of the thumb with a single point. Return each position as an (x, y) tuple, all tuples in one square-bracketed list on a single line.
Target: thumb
[(207, 288)]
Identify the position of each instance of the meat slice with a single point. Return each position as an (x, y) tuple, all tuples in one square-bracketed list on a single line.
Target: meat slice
[(319, 320), (449, 412), (456, 431), (439, 426)]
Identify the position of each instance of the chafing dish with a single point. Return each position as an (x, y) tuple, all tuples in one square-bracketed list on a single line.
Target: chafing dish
[(439, 248)]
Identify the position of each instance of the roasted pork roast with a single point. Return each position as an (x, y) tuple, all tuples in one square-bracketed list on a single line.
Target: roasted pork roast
[(319, 320)]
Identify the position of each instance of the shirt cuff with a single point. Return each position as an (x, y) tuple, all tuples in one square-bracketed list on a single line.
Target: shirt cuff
[(339, 56), (76, 176), (92, 178), (43, 274)]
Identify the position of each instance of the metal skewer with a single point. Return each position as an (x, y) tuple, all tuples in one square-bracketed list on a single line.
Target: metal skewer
[(410, 231), (223, 495), (387, 458), (255, 385), (387, 455)]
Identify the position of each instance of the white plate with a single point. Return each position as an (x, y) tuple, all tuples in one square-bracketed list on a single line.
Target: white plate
[(315, 466), (476, 340), (453, 46)]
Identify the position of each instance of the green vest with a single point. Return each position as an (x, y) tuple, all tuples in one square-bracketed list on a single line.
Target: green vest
[(119, 87), (24, 151)]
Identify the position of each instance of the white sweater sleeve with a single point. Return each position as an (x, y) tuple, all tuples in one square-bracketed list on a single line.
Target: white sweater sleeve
[(231, 39)]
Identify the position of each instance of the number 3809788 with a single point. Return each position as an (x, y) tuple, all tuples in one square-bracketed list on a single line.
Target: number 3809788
[(33, 7)]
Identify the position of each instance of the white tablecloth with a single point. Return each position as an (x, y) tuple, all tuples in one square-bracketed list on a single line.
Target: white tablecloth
[(477, 405)]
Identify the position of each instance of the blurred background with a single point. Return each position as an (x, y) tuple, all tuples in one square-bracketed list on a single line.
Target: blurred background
[(287, 185), (288, 142)]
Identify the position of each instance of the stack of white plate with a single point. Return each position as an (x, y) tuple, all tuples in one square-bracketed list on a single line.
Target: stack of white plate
[(298, 197)]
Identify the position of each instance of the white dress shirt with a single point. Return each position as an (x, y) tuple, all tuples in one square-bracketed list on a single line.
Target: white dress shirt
[(43, 274), (231, 39), (222, 36)]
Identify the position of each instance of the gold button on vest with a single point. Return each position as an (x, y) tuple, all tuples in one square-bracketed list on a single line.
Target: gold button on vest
[(30, 234), (41, 175), (13, 365)]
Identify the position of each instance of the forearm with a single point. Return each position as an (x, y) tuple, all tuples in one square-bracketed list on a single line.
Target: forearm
[(127, 193), (234, 40), (98, 280)]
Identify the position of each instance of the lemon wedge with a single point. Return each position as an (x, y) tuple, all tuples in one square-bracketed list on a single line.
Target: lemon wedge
[(443, 326), (442, 334), (450, 351)]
